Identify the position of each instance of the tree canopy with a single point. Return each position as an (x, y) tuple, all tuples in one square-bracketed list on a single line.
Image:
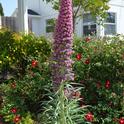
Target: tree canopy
[(1, 10), (95, 7)]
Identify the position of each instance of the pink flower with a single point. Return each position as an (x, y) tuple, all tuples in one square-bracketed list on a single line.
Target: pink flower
[(62, 45), (70, 52)]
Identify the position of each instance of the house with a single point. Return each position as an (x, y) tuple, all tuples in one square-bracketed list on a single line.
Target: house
[(37, 16)]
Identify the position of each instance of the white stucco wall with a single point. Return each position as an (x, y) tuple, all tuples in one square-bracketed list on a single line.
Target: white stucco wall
[(116, 6), (46, 12), (34, 5), (36, 26)]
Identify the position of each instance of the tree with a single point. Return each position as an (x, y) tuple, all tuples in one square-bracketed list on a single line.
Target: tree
[(95, 7), (1, 10)]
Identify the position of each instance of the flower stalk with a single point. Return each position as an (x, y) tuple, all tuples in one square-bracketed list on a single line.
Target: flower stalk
[(62, 45)]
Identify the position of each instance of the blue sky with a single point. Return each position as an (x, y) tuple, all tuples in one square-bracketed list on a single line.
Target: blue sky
[(9, 6)]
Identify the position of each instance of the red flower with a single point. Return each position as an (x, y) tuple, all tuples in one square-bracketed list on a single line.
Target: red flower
[(89, 117), (107, 84), (13, 110), (34, 63), (16, 119), (87, 61), (13, 85), (78, 56), (121, 121), (87, 39)]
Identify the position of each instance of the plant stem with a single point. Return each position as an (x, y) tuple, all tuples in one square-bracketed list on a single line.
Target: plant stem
[(62, 105)]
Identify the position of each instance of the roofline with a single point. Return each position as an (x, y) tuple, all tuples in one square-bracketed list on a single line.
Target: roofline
[(36, 16), (15, 11), (117, 5)]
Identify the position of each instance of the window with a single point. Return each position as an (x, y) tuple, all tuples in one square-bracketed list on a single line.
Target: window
[(88, 18), (50, 24), (110, 24), (109, 29), (110, 18), (89, 24), (89, 29)]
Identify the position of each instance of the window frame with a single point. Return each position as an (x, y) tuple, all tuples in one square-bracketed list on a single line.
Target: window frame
[(48, 25), (92, 22), (110, 23)]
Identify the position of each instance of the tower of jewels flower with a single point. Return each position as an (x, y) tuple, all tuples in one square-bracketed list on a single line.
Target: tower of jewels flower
[(62, 45)]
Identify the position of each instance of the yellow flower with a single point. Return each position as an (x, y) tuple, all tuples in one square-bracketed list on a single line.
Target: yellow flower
[(17, 37)]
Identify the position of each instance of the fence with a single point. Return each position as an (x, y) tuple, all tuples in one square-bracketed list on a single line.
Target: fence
[(9, 22)]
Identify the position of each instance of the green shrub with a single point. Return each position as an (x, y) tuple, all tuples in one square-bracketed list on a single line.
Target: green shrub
[(99, 67), (22, 99), (17, 50), (99, 70)]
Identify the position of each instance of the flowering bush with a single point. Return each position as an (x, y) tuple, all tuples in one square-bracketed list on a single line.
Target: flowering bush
[(16, 51), (99, 67), (21, 99), (99, 70)]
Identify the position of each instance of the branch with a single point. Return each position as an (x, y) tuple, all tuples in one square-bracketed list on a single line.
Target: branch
[(76, 12)]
